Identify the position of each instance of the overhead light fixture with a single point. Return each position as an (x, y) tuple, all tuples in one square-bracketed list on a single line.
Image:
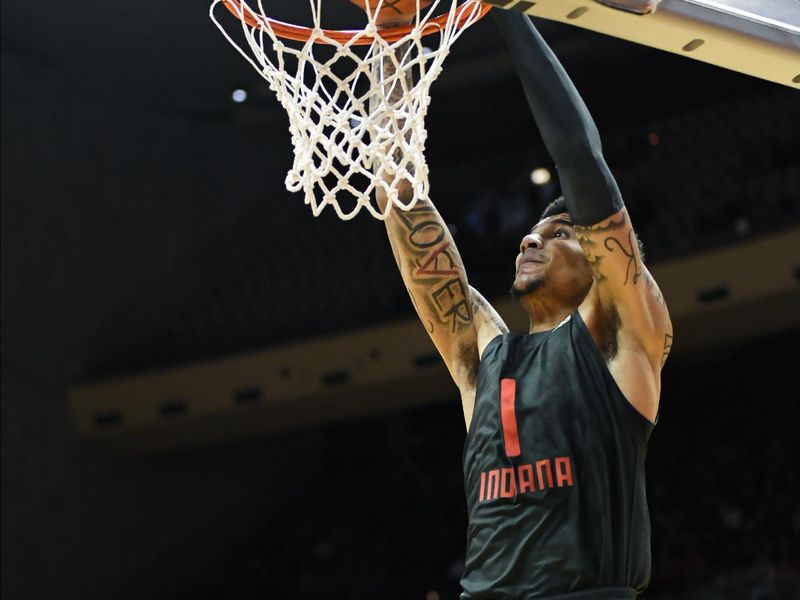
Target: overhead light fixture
[(540, 176), (239, 95)]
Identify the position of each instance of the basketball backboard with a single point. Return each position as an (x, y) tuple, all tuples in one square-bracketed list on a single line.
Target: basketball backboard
[(760, 38)]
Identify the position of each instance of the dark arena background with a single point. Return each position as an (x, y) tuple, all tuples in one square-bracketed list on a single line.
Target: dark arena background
[(209, 394)]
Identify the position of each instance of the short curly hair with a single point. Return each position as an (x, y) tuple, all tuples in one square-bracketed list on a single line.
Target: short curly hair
[(557, 206)]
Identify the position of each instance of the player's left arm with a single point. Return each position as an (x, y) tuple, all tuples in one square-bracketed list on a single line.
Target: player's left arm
[(630, 306), (625, 309)]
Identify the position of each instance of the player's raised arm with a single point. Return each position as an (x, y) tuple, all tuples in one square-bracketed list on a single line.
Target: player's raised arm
[(625, 300), (459, 321)]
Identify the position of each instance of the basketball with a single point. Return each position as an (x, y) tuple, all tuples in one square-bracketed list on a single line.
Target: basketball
[(393, 12)]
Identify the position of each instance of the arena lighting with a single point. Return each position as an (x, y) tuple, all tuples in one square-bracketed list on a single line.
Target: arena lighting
[(540, 176), (239, 95)]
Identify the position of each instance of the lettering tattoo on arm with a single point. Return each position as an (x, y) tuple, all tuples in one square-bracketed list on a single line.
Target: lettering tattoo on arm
[(627, 247), (433, 267), (451, 303), (421, 244)]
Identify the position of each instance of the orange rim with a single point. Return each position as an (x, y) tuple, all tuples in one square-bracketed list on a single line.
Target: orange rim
[(342, 36)]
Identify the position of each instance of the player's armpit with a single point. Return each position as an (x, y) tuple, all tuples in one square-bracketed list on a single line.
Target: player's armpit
[(434, 276), (624, 287)]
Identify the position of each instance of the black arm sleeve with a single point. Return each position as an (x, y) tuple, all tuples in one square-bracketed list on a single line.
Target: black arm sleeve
[(567, 128)]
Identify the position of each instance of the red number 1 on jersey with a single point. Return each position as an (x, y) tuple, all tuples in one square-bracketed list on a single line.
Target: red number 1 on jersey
[(508, 416)]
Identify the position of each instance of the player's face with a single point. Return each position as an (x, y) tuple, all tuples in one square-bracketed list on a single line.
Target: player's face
[(550, 258)]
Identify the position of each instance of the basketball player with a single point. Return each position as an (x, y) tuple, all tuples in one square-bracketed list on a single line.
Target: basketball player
[(558, 419)]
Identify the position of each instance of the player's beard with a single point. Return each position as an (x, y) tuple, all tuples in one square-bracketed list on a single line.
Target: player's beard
[(528, 287)]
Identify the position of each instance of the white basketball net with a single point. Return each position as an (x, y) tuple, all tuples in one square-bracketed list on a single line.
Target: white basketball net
[(352, 135)]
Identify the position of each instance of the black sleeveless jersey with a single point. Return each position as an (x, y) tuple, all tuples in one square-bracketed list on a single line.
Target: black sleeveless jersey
[(554, 474)]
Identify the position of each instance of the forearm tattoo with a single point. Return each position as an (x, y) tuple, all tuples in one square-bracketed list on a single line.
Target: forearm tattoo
[(421, 244), (611, 243), (432, 267)]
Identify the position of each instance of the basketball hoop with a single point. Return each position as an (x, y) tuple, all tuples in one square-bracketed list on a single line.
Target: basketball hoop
[(352, 134)]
